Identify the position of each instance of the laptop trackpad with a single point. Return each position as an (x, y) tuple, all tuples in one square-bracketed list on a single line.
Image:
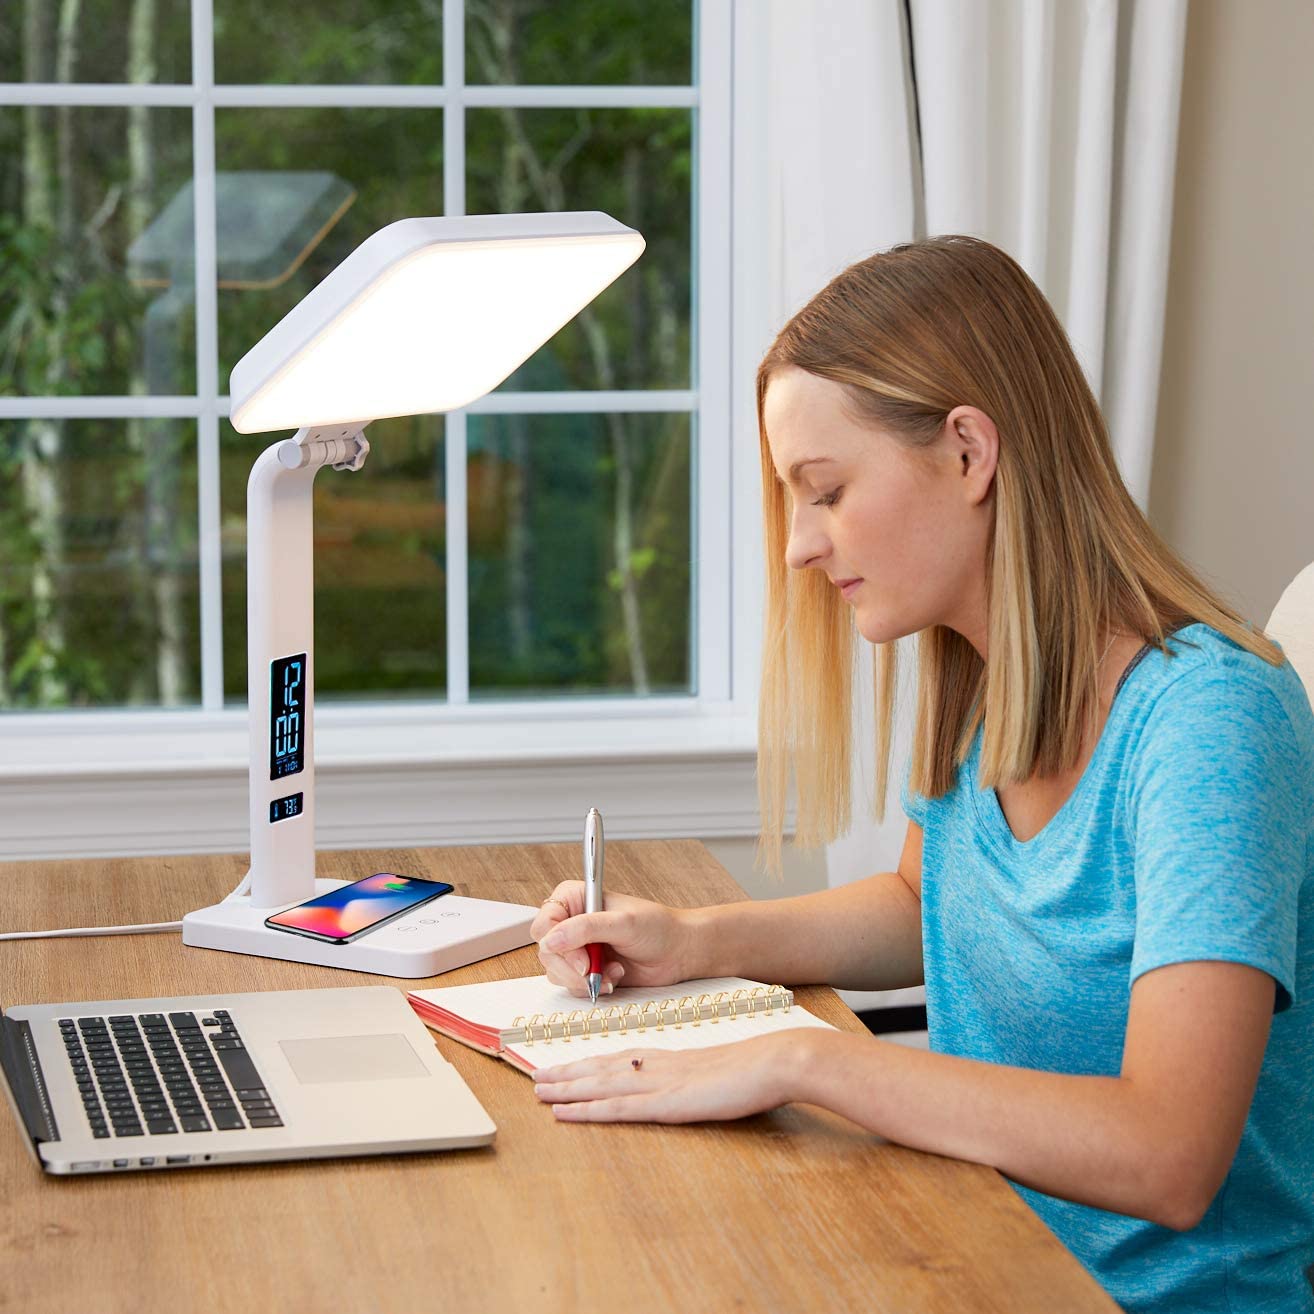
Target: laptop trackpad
[(352, 1058)]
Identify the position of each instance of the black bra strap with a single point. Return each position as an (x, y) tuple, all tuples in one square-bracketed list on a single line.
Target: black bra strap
[(1136, 661)]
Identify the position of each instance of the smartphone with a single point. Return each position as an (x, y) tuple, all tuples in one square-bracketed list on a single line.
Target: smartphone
[(353, 910)]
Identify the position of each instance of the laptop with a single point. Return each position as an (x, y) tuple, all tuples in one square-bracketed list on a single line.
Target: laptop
[(197, 1080)]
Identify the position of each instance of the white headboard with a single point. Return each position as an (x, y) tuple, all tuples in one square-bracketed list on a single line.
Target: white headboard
[(1292, 625)]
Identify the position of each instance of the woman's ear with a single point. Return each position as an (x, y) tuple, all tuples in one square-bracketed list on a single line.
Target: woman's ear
[(975, 443)]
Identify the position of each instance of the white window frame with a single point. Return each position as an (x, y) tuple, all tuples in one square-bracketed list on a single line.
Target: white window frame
[(101, 783)]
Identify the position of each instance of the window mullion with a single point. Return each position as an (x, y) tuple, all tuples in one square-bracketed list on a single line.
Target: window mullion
[(206, 240), (454, 436), (713, 472)]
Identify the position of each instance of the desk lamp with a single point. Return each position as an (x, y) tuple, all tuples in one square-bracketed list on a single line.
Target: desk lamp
[(426, 315)]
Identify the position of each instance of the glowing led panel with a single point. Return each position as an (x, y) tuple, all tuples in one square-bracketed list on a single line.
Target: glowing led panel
[(427, 315)]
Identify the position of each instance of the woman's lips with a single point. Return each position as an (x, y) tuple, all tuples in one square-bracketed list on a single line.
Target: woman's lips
[(848, 587)]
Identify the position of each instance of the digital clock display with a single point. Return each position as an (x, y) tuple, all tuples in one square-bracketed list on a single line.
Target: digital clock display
[(280, 809), (287, 716)]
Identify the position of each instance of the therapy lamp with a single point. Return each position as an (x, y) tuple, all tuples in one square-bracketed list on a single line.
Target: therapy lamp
[(426, 315)]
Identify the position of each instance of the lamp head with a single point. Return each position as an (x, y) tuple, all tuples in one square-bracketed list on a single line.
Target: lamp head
[(427, 315)]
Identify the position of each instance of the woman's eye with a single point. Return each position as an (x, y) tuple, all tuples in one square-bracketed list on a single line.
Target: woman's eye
[(828, 499)]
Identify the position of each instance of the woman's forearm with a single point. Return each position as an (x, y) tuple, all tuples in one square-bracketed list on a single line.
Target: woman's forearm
[(863, 936), (1094, 1140)]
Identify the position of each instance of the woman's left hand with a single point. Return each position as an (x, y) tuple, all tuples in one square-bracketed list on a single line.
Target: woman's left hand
[(699, 1085)]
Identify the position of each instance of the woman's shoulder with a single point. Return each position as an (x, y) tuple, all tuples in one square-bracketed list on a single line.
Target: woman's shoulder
[(1208, 679)]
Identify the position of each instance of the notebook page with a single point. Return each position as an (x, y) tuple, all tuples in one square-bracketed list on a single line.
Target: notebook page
[(497, 1004), (704, 1035)]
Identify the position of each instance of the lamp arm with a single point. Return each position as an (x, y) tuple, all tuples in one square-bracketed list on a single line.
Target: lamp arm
[(280, 590)]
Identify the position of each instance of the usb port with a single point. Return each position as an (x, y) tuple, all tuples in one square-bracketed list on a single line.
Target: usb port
[(178, 1158)]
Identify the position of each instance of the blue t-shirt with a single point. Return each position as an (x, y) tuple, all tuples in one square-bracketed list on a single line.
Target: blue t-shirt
[(1188, 837)]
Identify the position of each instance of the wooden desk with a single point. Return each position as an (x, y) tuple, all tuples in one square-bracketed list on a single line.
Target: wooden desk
[(795, 1210)]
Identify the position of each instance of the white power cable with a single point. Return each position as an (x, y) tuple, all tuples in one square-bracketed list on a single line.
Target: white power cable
[(92, 930), (146, 928)]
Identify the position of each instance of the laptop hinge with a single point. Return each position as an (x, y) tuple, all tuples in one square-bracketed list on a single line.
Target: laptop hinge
[(22, 1072)]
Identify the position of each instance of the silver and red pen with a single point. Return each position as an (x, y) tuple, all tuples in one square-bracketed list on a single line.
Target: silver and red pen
[(593, 893)]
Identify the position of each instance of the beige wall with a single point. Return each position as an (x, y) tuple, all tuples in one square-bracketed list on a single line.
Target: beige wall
[(802, 871), (1233, 478)]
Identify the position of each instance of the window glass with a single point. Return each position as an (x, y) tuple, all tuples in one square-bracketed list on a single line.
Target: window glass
[(330, 42), (98, 564), (604, 42), (380, 564), (578, 568), (634, 164), (96, 252), (95, 41), (579, 554)]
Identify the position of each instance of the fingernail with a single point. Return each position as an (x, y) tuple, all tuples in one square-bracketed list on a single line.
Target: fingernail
[(584, 969), (608, 988), (551, 941)]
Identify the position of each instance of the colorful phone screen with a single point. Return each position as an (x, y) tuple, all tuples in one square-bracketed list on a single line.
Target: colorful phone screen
[(356, 907)]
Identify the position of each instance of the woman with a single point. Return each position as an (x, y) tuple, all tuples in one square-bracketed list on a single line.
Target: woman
[(1106, 878)]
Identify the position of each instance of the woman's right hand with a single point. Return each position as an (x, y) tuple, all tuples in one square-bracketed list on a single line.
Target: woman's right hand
[(645, 943)]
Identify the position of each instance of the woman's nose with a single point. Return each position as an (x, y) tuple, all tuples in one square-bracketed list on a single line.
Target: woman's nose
[(807, 546)]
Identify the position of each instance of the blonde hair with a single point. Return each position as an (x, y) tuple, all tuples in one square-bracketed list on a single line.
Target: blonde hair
[(911, 333)]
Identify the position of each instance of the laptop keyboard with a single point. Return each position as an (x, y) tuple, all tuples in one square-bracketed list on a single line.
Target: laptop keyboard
[(157, 1073)]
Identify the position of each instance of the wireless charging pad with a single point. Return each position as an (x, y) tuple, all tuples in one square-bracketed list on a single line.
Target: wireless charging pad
[(436, 937)]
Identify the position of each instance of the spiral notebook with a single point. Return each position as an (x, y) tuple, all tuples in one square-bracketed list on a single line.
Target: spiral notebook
[(532, 1023)]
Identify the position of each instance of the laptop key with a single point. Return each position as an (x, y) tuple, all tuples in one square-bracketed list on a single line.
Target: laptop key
[(227, 1120), (241, 1071), (160, 1126), (195, 1123), (269, 1120)]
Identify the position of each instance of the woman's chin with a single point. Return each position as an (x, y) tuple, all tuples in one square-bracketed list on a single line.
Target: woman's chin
[(878, 629), (870, 626)]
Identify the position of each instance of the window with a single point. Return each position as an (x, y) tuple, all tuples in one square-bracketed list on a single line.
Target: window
[(559, 553)]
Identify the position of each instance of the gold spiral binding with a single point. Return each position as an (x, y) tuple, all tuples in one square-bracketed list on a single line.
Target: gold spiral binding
[(528, 1023), (602, 1016), (657, 1014)]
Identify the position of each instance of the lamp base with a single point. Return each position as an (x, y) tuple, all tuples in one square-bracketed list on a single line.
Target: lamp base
[(434, 938)]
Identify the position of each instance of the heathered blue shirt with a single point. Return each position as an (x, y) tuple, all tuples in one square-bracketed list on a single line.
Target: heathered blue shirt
[(1188, 837)]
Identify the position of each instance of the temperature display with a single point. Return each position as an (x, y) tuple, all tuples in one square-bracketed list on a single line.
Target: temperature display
[(287, 716), (283, 808)]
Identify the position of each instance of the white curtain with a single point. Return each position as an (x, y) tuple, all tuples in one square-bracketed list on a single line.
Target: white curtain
[(1048, 127)]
